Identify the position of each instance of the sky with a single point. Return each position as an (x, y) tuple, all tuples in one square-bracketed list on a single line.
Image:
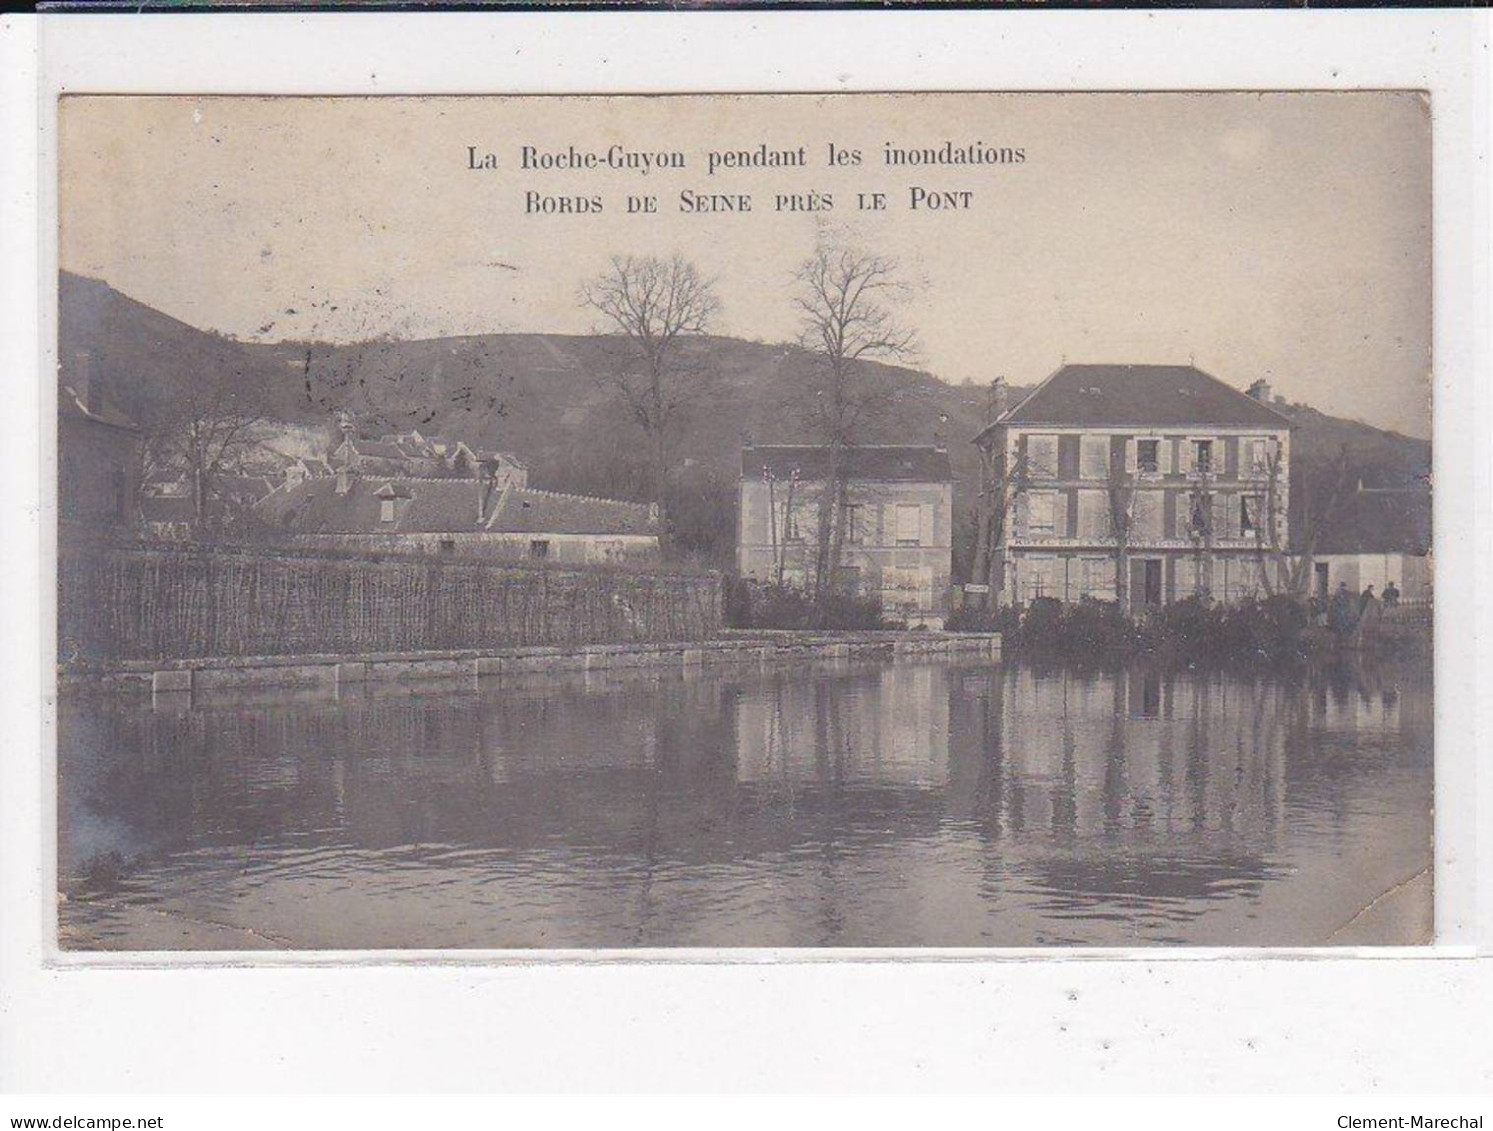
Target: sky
[(1284, 236)]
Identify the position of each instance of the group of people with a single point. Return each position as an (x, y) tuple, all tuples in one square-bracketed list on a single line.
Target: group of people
[(1347, 614)]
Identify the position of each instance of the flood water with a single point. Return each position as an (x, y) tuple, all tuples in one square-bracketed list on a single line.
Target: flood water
[(946, 804)]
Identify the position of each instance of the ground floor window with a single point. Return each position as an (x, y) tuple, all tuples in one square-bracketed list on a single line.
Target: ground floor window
[(539, 548), (1097, 579), (1042, 577)]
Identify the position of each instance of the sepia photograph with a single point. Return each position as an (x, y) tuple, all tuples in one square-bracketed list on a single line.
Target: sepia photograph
[(806, 522)]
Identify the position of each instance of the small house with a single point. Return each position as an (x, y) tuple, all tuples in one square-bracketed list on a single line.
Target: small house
[(469, 517), (894, 541)]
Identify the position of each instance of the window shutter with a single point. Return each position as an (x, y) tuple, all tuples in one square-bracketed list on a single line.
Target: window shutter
[(1094, 457), (1164, 457), (1184, 450), (1022, 509), (926, 526), (1130, 445), (1221, 510)]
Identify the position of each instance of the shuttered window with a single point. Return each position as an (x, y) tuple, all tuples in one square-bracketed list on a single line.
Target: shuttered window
[(909, 524), (1098, 576), (1093, 514), (1094, 457), (1042, 457), (1042, 578), (1145, 525), (1042, 514)]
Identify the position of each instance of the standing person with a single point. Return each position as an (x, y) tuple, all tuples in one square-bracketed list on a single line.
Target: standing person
[(1368, 613), (1391, 596)]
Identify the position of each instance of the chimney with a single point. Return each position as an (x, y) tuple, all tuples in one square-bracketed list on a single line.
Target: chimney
[(998, 394), (1260, 391), (486, 471)]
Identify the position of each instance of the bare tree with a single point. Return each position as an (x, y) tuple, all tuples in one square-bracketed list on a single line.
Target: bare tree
[(1120, 494), (1003, 480), (655, 305), (1321, 494), (208, 431), (1200, 529), (846, 298)]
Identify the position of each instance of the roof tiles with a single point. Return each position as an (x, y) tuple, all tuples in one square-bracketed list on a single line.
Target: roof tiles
[(1140, 396), (880, 463)]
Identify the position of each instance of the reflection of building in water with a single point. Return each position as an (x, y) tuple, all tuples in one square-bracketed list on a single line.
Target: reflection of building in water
[(888, 725), (1137, 758), (1131, 783)]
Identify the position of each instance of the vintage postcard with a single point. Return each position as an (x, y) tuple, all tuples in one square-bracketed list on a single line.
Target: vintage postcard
[(928, 521)]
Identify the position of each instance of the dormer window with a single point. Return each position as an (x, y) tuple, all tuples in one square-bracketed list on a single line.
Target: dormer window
[(386, 510)]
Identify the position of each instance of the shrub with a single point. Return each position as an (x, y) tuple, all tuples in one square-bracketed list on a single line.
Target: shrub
[(1194, 629), (1003, 619), (750, 605), (1095, 628), (1277, 628)]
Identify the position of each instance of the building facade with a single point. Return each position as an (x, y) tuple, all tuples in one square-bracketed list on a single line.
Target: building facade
[(897, 542), (1144, 484), (98, 460), (1380, 536)]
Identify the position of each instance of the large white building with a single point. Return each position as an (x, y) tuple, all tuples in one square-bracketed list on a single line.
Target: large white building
[(1152, 482)]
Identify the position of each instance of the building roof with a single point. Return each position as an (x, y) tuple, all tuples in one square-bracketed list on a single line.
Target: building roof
[(73, 405), (883, 463), (522, 510), (245, 488), (378, 449), (447, 506), (1139, 396), (1378, 522)]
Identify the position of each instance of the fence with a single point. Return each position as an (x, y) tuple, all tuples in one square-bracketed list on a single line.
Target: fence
[(117, 603)]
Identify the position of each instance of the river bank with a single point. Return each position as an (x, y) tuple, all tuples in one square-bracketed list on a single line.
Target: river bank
[(175, 677)]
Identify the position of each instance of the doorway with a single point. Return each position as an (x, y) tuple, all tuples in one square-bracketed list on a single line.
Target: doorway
[(1320, 574), (1145, 583)]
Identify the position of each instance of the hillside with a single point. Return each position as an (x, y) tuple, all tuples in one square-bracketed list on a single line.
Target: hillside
[(538, 396)]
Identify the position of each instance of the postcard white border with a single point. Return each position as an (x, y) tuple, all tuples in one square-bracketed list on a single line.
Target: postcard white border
[(690, 1016)]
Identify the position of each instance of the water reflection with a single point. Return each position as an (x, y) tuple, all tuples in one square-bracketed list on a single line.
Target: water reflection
[(850, 805)]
